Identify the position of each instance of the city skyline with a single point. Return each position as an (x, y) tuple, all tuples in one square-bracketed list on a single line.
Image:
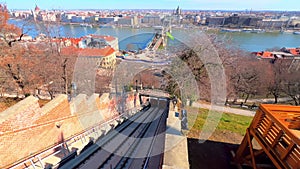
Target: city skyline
[(281, 5)]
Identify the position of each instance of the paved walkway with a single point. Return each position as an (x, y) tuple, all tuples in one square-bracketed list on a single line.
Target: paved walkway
[(224, 109), (265, 100), (176, 147)]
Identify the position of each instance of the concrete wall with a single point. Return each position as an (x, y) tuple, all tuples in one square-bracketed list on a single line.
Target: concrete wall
[(26, 128)]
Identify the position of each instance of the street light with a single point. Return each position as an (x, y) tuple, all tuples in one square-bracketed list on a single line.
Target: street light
[(141, 84), (74, 88), (136, 88)]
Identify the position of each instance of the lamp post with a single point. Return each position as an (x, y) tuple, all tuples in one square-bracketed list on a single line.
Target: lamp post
[(74, 88), (141, 84), (136, 88)]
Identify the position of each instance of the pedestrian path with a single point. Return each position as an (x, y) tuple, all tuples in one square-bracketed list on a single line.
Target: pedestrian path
[(224, 109), (176, 147)]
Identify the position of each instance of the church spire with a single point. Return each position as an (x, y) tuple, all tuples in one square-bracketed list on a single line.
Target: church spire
[(178, 11), (37, 9)]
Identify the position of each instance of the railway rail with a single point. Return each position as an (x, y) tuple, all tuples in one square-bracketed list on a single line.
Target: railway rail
[(136, 143)]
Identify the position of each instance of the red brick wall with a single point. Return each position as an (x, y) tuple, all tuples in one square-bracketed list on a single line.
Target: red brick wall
[(32, 128), (56, 109), (24, 114), (80, 104), (130, 101), (16, 145)]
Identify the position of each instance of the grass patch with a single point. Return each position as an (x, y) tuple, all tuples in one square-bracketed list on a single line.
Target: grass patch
[(230, 122)]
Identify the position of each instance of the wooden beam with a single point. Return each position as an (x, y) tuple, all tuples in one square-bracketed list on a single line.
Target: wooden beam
[(251, 149)]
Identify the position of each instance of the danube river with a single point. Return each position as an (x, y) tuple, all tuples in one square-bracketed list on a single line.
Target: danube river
[(139, 38)]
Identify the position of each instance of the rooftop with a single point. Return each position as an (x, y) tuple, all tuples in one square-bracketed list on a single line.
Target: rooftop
[(88, 51)]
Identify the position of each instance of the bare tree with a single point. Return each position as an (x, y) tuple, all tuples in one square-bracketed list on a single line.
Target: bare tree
[(33, 66), (290, 85)]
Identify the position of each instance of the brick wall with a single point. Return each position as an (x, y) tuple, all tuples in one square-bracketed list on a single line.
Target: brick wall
[(87, 110), (105, 106), (56, 109), (25, 128), (16, 145), (21, 115)]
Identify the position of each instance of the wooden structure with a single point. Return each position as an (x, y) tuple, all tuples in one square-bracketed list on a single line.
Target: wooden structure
[(277, 130)]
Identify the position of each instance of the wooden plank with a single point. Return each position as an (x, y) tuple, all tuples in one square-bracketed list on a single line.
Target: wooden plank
[(273, 133), (287, 139), (279, 123), (271, 127), (268, 150), (268, 128), (279, 148), (241, 150), (256, 153), (287, 151), (273, 107), (260, 130), (251, 150), (293, 159), (279, 135)]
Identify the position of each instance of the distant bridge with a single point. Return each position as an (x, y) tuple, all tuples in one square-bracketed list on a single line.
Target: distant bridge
[(160, 37)]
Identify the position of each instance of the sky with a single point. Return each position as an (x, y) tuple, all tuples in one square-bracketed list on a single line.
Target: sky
[(282, 5)]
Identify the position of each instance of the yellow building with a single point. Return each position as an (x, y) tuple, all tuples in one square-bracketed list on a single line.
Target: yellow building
[(102, 57)]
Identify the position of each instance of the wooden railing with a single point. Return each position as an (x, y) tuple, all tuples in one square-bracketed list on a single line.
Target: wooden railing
[(276, 129)]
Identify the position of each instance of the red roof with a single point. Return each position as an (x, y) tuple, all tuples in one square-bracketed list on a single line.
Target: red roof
[(73, 40), (97, 52), (265, 54), (294, 51), (103, 52), (71, 50)]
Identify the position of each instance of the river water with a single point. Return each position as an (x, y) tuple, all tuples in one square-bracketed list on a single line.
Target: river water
[(139, 38)]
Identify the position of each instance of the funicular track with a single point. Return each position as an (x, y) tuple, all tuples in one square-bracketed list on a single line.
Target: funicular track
[(130, 144)]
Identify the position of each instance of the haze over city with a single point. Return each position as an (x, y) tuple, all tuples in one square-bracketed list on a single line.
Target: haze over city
[(281, 5)]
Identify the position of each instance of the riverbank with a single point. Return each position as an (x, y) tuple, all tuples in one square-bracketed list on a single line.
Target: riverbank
[(250, 42)]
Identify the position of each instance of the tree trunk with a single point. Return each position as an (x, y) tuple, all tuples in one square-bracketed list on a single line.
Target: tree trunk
[(247, 97), (1, 92), (51, 94), (226, 101), (295, 101), (275, 98), (17, 77), (65, 78)]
